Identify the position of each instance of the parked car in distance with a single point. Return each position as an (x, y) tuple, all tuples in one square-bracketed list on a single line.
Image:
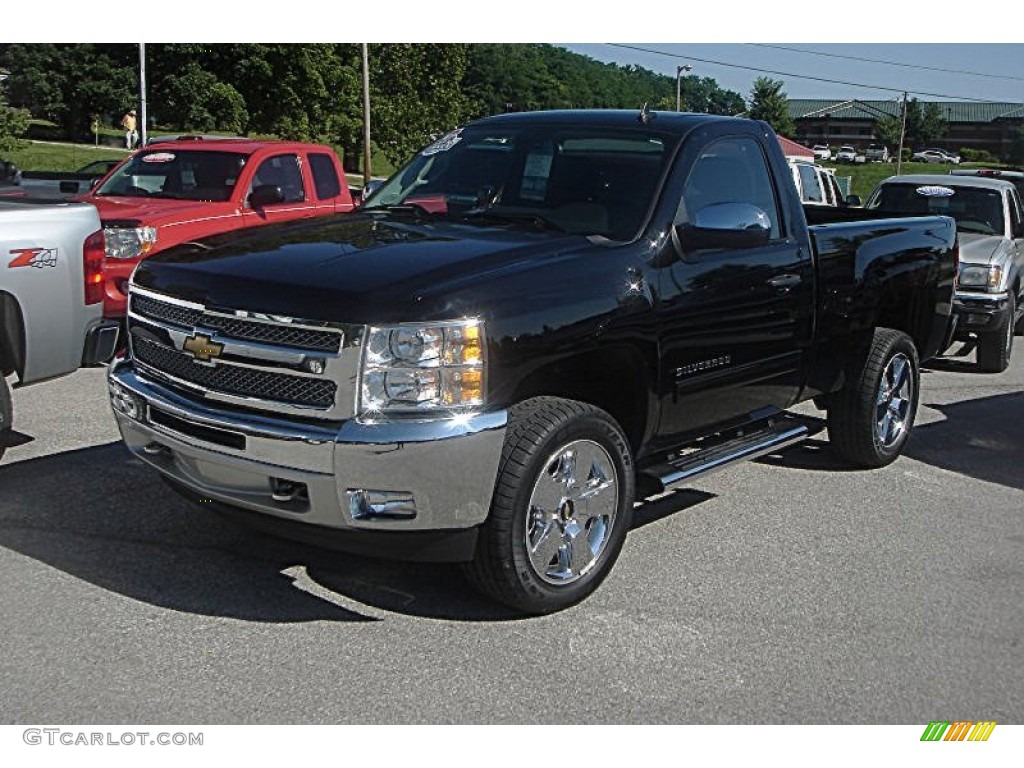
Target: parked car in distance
[(989, 302), (51, 295), (182, 190), (822, 152), (931, 156), (952, 156), (538, 320), (877, 153), (58, 183), (846, 154)]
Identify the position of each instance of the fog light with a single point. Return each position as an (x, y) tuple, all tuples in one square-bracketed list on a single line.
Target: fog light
[(124, 402), (368, 505)]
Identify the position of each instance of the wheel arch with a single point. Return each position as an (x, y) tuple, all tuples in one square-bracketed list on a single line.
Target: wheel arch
[(12, 336), (617, 379)]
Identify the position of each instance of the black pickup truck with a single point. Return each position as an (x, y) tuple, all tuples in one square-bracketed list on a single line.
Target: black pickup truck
[(539, 320)]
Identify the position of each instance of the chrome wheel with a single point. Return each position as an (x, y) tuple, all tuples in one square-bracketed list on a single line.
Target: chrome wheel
[(572, 512), (894, 401)]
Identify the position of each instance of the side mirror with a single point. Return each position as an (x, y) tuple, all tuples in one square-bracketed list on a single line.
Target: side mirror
[(94, 182), (263, 195), (371, 186), (726, 226), (68, 187), (854, 201)]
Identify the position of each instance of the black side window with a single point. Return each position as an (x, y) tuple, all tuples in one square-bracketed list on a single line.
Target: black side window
[(282, 171), (732, 170), (325, 177)]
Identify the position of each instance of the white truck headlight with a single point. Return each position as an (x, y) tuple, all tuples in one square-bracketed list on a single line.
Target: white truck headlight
[(413, 368), (129, 242), (977, 276)]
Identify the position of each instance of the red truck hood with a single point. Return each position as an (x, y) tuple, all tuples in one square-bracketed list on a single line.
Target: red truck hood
[(157, 211)]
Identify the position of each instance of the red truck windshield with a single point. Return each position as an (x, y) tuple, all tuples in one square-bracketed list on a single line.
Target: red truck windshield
[(582, 181), (179, 175)]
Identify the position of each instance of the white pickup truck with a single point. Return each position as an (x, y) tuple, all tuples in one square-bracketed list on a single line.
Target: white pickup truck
[(51, 295)]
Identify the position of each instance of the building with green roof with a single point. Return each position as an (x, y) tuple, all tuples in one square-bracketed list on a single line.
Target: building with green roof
[(977, 125)]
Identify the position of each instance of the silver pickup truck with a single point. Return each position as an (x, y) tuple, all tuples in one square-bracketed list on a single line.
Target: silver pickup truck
[(989, 302), (51, 295)]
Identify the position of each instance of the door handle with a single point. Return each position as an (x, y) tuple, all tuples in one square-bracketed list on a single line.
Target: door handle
[(785, 282)]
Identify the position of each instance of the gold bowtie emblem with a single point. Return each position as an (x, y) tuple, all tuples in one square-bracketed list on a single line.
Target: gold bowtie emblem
[(202, 347)]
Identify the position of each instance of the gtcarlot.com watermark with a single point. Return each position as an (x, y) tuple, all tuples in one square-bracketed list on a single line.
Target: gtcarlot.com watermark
[(59, 737)]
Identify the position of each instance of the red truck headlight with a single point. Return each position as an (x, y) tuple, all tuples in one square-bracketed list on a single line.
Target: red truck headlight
[(129, 242)]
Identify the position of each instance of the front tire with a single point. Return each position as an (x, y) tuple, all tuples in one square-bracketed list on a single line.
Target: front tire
[(994, 349), (870, 419), (562, 505)]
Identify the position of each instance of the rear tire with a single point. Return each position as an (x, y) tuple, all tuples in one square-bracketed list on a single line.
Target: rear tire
[(870, 419), (994, 349), (562, 505)]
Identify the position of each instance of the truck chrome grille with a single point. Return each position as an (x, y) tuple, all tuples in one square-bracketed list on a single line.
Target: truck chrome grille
[(269, 333), (175, 314), (252, 360), (259, 331), (235, 380)]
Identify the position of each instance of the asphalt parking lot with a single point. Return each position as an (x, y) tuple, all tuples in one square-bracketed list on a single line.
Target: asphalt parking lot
[(789, 590)]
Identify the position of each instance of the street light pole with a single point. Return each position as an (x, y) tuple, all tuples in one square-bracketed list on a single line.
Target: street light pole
[(903, 131), (679, 78), (366, 117), (142, 94)]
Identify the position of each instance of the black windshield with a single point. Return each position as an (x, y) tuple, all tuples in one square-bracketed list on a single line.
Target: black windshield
[(599, 181), (975, 209)]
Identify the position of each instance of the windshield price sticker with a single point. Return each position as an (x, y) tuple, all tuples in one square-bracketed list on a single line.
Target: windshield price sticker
[(443, 144), (935, 191), (159, 157)]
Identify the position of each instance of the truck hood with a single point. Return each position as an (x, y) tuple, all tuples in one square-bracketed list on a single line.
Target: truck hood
[(979, 249), (353, 268), (154, 211)]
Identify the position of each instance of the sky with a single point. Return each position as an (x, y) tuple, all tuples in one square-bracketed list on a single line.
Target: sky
[(931, 72)]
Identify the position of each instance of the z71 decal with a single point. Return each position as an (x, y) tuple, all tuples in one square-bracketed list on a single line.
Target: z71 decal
[(33, 257)]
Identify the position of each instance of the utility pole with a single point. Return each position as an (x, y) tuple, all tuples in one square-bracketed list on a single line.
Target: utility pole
[(679, 77), (903, 131), (366, 116), (142, 95)]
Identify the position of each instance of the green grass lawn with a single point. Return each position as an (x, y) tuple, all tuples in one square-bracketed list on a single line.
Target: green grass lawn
[(40, 156)]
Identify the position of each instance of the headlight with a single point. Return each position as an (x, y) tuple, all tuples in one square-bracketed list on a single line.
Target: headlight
[(129, 242), (974, 276), (415, 368)]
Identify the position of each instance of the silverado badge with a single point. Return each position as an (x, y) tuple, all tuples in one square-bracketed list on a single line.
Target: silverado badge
[(202, 347)]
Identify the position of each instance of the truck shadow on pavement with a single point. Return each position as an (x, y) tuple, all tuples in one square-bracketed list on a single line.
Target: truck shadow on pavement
[(980, 438), (100, 515)]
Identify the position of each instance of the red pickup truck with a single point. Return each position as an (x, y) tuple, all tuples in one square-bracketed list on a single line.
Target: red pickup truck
[(182, 190)]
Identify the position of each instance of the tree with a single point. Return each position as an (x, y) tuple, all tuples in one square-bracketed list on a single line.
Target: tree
[(416, 94), (13, 124), (933, 125), (888, 128), (768, 102)]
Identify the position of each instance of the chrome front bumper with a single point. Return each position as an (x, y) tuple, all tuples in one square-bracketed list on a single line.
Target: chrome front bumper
[(398, 475)]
